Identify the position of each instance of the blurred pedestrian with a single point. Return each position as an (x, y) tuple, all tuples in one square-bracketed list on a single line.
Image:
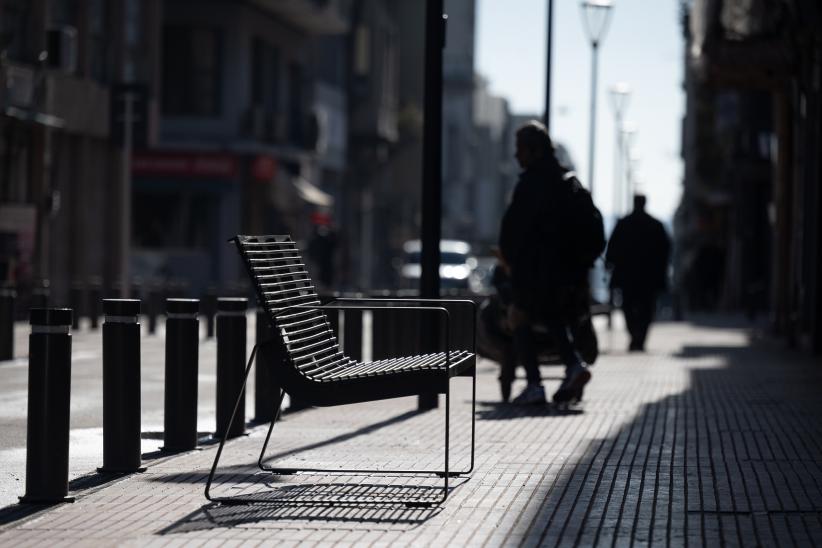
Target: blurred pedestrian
[(638, 254), (538, 247)]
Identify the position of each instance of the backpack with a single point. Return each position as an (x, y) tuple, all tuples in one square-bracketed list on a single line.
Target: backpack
[(588, 232)]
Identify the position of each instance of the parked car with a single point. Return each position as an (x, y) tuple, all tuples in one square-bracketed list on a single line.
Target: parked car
[(456, 264)]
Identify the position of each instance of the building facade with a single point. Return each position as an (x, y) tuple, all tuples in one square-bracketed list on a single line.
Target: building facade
[(748, 234), (253, 128), (63, 193)]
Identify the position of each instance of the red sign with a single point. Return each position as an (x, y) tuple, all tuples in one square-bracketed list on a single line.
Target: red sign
[(184, 164), (264, 168)]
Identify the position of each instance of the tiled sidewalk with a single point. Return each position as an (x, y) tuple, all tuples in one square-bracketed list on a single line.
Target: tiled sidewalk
[(706, 440)]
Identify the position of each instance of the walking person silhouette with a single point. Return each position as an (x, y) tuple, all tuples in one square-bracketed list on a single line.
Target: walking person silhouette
[(637, 255)]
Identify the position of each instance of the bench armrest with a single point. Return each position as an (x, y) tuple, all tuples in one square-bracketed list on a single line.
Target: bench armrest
[(405, 300), (332, 306)]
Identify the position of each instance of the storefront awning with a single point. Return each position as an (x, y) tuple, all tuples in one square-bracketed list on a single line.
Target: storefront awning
[(312, 194), (41, 118)]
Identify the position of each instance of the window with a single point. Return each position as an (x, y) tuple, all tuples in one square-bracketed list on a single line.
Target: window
[(134, 43), (99, 51), (265, 75), (14, 16), (63, 12), (295, 104), (191, 71)]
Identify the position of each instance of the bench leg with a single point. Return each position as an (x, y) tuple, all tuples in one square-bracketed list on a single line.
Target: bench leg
[(225, 434), (277, 411), (445, 474), (473, 424)]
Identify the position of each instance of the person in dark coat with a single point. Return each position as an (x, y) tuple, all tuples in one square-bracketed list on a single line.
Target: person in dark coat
[(638, 254), (536, 252)]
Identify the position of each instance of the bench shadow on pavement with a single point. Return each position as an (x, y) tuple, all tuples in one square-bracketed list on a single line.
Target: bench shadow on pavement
[(301, 505), (352, 502)]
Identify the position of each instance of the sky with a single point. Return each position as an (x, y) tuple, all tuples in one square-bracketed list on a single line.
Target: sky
[(643, 47)]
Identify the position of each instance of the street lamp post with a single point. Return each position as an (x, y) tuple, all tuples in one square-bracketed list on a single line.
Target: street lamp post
[(548, 54), (596, 15), (628, 132), (620, 93)]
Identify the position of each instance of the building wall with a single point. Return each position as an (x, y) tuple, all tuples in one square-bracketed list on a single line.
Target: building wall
[(73, 168), (748, 222)]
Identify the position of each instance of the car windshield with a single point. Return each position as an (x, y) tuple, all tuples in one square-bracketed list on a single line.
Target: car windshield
[(445, 258)]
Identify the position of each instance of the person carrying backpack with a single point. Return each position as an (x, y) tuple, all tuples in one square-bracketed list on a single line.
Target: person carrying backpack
[(550, 235)]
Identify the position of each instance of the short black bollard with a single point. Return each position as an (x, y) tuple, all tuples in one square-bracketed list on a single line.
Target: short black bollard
[(7, 298), (153, 299), (231, 347), (121, 386), (95, 299), (76, 300), (209, 309), (352, 334), (47, 440), (182, 360)]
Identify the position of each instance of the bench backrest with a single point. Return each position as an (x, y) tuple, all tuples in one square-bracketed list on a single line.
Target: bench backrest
[(281, 281)]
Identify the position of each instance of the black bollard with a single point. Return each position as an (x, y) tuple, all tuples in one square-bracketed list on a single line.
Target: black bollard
[(182, 346), (121, 386), (47, 439), (95, 299), (153, 300), (352, 334), (7, 298), (76, 301), (231, 346), (265, 390), (209, 309)]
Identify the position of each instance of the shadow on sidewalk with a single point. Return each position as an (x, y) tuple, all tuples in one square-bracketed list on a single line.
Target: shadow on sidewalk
[(734, 459), (303, 502), (77, 486), (497, 411), (228, 470)]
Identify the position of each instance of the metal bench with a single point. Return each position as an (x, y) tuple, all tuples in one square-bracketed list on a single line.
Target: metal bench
[(312, 368)]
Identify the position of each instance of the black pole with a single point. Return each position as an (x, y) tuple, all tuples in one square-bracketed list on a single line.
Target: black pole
[(152, 306), (76, 299), (231, 346), (435, 22), (182, 362), (95, 291), (548, 52), (7, 298), (47, 440), (40, 295), (593, 121), (121, 386), (209, 309)]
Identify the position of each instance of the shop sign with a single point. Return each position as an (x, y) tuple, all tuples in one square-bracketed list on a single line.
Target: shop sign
[(184, 164), (263, 168)]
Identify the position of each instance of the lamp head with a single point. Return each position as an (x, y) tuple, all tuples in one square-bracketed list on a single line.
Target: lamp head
[(596, 15)]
